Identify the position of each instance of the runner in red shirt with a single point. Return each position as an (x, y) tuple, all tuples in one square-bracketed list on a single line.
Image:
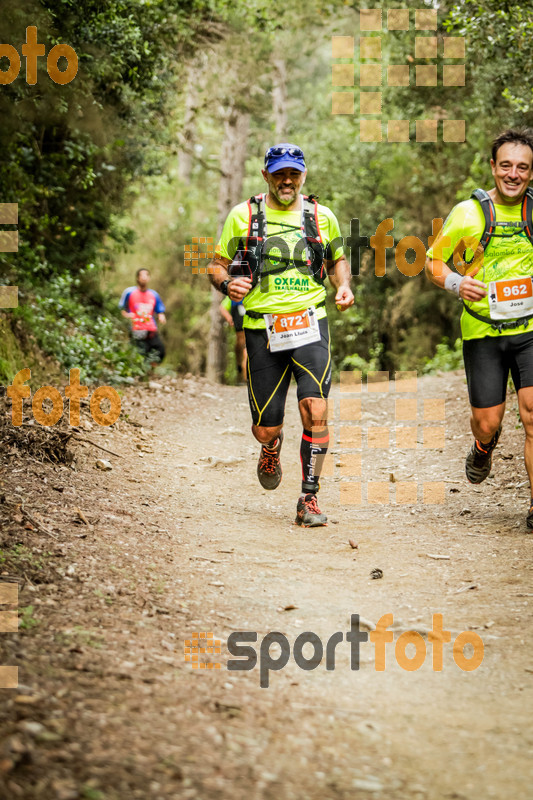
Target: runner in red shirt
[(141, 304)]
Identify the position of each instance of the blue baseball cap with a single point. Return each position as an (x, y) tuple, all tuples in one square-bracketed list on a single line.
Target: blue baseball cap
[(284, 155)]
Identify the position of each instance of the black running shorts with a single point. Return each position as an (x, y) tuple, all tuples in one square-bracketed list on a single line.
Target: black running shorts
[(152, 347), (269, 374), (487, 365)]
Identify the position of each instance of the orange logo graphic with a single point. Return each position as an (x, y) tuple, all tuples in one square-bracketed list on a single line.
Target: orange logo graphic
[(202, 644)]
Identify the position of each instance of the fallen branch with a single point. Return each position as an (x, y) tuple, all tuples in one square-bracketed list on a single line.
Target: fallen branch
[(74, 434), (99, 446), (41, 528)]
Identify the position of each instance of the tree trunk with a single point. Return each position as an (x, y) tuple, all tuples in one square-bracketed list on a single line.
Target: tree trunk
[(232, 162), (279, 98), (186, 144)]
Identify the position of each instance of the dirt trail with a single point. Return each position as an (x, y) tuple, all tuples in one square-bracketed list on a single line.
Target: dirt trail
[(182, 539)]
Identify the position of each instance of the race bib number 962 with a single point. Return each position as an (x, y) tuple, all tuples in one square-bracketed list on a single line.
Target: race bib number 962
[(511, 298)]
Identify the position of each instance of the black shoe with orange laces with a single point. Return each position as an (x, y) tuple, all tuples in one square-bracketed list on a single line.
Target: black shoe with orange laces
[(269, 465), (308, 514), (529, 518), (479, 460)]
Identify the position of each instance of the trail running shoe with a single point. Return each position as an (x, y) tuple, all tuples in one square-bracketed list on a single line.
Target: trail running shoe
[(529, 518), (269, 465), (479, 460), (308, 514)]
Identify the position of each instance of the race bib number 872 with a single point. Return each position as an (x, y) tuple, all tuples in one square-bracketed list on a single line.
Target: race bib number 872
[(287, 331)]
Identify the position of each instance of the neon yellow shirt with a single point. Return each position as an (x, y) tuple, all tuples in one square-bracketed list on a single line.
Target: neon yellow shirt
[(505, 257), (290, 290)]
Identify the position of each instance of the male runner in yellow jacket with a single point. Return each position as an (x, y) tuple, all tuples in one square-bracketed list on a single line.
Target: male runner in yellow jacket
[(497, 318), (274, 254)]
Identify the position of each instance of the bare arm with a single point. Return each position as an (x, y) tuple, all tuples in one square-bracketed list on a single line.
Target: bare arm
[(340, 276), (469, 289)]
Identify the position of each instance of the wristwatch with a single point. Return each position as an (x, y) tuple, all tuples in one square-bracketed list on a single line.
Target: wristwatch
[(224, 286)]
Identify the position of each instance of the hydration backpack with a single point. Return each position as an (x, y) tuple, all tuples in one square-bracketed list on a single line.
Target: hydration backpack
[(251, 253), (489, 212), (525, 224)]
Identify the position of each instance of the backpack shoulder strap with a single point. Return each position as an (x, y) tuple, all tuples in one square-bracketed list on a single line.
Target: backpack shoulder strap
[(252, 248), (256, 218), (250, 213), (314, 237), (312, 228), (527, 213), (489, 212)]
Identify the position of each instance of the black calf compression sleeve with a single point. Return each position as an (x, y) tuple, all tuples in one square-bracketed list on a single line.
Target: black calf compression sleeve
[(313, 448)]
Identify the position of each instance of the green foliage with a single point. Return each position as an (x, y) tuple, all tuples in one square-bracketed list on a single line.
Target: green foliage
[(231, 375), (166, 216), (27, 620), (80, 335), (90, 793), (72, 153), (11, 353), (19, 557), (500, 57), (76, 157), (446, 358)]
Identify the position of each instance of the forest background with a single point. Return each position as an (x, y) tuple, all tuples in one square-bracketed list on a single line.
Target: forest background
[(164, 129)]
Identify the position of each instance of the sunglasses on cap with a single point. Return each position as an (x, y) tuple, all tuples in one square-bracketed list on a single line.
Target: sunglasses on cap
[(277, 152)]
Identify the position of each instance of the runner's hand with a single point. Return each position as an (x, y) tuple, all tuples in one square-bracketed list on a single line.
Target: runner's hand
[(471, 289), (344, 298), (239, 288)]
